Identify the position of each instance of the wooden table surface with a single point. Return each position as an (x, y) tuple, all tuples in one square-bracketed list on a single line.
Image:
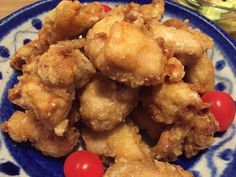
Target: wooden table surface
[(9, 6)]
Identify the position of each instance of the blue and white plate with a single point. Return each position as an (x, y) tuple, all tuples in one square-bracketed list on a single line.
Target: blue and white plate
[(20, 159)]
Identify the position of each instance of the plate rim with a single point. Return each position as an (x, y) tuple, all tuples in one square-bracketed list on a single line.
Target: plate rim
[(19, 16), (205, 19), (22, 14)]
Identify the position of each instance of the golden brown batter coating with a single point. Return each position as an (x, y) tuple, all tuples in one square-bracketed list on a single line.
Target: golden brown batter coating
[(170, 145), (96, 36), (97, 142), (148, 12), (61, 23), (201, 135), (51, 105), (47, 86), (190, 127), (123, 143), (153, 11), (188, 44), (123, 52), (24, 127), (174, 70), (105, 103), (131, 57), (201, 74), (27, 54), (188, 138), (146, 169), (64, 65), (172, 102), (143, 120), (205, 40)]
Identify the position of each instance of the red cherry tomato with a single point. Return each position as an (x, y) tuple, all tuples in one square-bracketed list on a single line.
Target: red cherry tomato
[(222, 106), (106, 8), (83, 164)]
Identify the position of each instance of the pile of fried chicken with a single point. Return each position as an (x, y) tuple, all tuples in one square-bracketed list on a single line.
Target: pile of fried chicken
[(106, 77)]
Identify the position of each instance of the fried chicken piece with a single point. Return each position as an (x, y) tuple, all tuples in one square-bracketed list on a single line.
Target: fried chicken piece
[(131, 67), (191, 126), (110, 38), (146, 169), (201, 74), (27, 54), (123, 142), (171, 142), (64, 65), (48, 84), (51, 105), (131, 57), (172, 102), (205, 40), (155, 10), (143, 120), (97, 142), (105, 103), (201, 136), (127, 144), (184, 41), (61, 23), (148, 12), (174, 70), (187, 139), (96, 36), (24, 127)]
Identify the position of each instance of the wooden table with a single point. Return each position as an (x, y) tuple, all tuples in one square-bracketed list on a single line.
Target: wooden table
[(9, 6)]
